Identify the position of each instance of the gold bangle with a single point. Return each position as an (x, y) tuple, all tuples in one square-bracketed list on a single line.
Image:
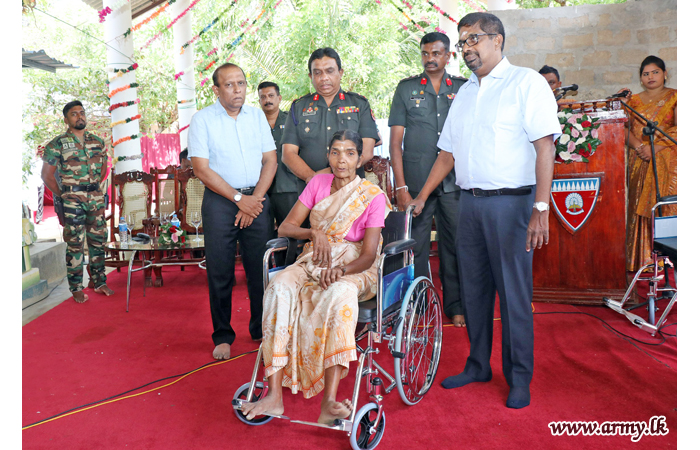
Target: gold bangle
[(636, 149)]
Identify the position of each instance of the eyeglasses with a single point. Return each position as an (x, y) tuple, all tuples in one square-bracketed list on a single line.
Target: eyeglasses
[(472, 40)]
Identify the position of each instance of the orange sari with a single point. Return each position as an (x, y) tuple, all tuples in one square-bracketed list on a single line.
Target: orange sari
[(640, 176), (306, 329)]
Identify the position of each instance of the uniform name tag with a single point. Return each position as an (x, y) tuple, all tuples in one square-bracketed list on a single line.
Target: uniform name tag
[(417, 98), (347, 109)]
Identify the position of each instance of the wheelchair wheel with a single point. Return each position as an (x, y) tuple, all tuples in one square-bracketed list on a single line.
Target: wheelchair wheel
[(363, 436), (259, 392), (419, 339)]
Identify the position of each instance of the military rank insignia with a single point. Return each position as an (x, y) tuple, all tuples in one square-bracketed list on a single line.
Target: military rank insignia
[(310, 111), (347, 109)]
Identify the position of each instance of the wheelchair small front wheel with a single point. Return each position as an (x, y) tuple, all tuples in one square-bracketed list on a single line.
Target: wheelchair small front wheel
[(259, 392), (367, 431)]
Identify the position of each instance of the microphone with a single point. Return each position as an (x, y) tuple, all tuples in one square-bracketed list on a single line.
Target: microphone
[(622, 94), (571, 87)]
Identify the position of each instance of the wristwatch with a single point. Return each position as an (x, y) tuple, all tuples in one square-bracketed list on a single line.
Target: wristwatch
[(237, 198), (541, 206)]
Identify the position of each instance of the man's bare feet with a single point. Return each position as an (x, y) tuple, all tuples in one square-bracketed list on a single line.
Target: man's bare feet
[(104, 290), (80, 296), (458, 321), (222, 351), (332, 410), (268, 405)]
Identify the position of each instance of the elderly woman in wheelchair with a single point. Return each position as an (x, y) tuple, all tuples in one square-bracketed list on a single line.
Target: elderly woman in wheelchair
[(311, 307)]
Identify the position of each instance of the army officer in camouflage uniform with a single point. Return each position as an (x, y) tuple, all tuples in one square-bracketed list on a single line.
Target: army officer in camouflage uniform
[(79, 158), (314, 118), (418, 112)]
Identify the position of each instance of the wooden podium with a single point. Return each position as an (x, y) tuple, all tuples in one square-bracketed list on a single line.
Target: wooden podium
[(585, 258)]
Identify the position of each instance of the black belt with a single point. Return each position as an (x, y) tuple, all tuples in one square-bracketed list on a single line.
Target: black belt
[(246, 191), (476, 192), (82, 187)]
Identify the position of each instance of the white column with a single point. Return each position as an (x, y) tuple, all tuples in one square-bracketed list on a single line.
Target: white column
[(495, 5), (182, 33), (450, 7), (120, 53)]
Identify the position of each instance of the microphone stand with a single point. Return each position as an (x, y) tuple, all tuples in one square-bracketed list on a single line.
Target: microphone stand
[(650, 130)]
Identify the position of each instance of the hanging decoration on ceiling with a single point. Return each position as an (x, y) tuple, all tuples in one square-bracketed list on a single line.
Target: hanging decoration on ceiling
[(207, 28), (160, 33), (105, 11), (444, 13)]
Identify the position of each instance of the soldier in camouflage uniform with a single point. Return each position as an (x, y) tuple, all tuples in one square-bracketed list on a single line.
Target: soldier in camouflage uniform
[(80, 160)]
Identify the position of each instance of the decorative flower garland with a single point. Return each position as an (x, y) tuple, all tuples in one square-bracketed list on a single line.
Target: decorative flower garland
[(125, 139), (134, 66), (579, 138), (171, 235), (152, 16), (185, 101), (122, 89), (230, 45), (207, 28), (104, 12), (160, 33), (129, 103), (130, 158), (444, 13), (474, 5), (130, 119)]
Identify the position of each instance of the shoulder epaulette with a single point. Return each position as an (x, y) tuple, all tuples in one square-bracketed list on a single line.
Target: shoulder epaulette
[(410, 78), (357, 95)]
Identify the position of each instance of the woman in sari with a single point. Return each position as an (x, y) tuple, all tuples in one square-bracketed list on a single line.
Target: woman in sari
[(657, 103), (310, 308)]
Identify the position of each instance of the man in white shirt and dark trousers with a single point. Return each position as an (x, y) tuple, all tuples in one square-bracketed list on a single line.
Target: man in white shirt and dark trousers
[(233, 154), (499, 136)]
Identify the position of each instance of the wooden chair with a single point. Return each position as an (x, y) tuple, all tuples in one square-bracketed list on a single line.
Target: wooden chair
[(190, 199), (378, 171), (166, 189), (131, 192)]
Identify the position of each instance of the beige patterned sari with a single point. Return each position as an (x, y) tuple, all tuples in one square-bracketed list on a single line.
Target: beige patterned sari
[(306, 329)]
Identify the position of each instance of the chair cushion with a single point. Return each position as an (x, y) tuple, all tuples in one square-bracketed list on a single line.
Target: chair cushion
[(368, 311)]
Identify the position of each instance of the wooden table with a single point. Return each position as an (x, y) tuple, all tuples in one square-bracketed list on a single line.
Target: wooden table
[(155, 248)]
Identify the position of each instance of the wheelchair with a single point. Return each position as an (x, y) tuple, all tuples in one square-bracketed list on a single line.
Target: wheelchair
[(664, 248), (406, 314)]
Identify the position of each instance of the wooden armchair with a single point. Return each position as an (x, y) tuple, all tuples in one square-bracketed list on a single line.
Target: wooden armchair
[(131, 192), (378, 171), (166, 189)]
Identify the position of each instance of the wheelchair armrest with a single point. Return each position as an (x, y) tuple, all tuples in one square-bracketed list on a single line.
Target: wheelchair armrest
[(399, 246), (282, 242), (669, 198)]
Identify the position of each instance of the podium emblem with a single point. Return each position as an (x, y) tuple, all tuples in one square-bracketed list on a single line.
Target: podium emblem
[(574, 200)]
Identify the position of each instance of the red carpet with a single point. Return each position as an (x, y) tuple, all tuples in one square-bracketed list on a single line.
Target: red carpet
[(77, 354)]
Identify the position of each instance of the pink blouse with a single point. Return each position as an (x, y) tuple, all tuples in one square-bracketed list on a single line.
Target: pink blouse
[(320, 187)]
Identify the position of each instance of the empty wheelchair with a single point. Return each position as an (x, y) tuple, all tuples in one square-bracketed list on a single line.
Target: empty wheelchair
[(406, 314), (664, 248)]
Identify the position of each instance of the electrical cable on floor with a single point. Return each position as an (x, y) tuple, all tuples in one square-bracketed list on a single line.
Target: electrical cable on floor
[(114, 398), (54, 288)]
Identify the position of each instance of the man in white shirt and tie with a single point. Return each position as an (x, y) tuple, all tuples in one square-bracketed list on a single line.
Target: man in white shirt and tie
[(499, 136)]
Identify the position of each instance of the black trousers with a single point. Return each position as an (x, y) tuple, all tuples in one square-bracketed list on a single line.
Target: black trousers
[(218, 218), (492, 258), (445, 209)]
